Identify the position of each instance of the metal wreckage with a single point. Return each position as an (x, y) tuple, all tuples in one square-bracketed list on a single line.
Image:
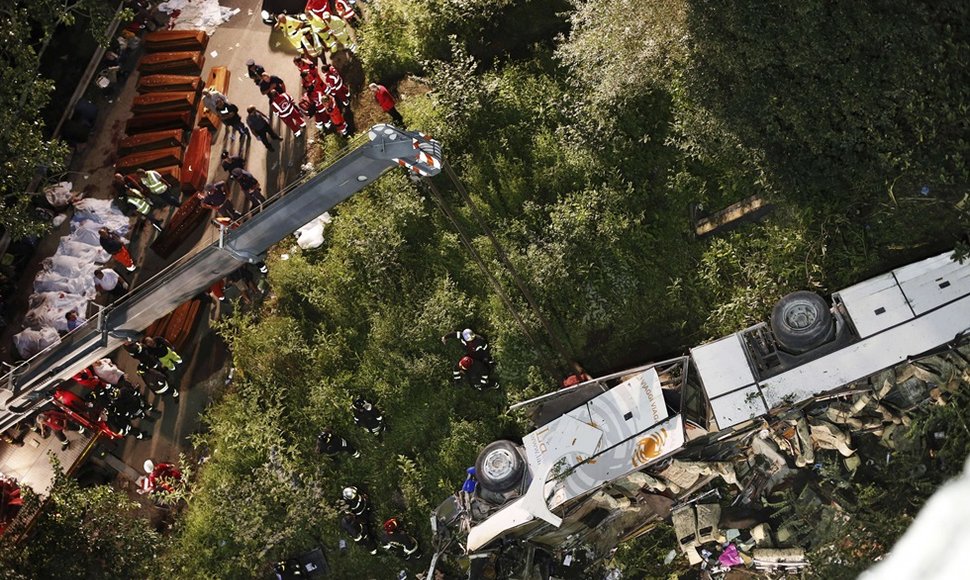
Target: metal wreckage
[(721, 442)]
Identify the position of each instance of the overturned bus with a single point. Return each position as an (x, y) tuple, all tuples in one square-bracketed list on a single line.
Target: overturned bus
[(586, 459)]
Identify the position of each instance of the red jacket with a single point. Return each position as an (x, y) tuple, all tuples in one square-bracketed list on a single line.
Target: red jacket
[(384, 98)]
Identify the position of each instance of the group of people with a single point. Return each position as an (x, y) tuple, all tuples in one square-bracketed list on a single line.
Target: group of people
[(327, 26), (356, 523)]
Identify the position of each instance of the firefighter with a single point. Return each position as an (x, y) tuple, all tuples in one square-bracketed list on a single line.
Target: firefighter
[(359, 531), (250, 186), (163, 350), (161, 477), (475, 345), (87, 379), (156, 381), (56, 422), (330, 444), (214, 196), (353, 501), (395, 539), (285, 108), (140, 353), (156, 186), (335, 86), (475, 372), (118, 425), (368, 416)]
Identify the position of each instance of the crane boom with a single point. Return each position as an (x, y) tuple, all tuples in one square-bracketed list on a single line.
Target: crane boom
[(30, 383)]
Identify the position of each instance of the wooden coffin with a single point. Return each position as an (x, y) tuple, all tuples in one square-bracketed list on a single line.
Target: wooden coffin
[(159, 102), (150, 141), (149, 159), (195, 162), (177, 326), (146, 122), (185, 62), (176, 40), (171, 174), (166, 83), (187, 218), (218, 79)]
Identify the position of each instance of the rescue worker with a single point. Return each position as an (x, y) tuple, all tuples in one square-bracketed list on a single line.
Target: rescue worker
[(250, 186), (229, 114), (117, 425), (254, 71), (155, 185), (163, 350), (475, 345), (140, 353), (285, 108), (300, 34), (334, 34), (156, 381), (368, 416), (215, 196), (140, 206), (387, 102), (334, 115), (396, 539), (115, 245), (330, 444), (56, 422), (353, 501), (335, 86), (307, 66), (162, 477), (358, 531), (475, 372), (87, 379), (129, 403), (259, 124)]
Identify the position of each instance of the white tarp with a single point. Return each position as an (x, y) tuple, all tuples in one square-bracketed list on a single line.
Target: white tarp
[(198, 14), (310, 236), (31, 341)]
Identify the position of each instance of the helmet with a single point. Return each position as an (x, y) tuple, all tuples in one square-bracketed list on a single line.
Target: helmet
[(149, 466), (465, 363), (250, 62), (467, 334), (391, 525), (349, 493), (359, 402), (471, 471)]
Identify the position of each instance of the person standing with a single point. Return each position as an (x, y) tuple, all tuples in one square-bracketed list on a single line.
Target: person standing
[(140, 206), (254, 71), (107, 280), (286, 110), (334, 116), (475, 344), (250, 186), (259, 124), (215, 196), (163, 350), (387, 102), (268, 82), (155, 185), (335, 86), (210, 96), (230, 162), (353, 501), (161, 477), (330, 444), (475, 372), (156, 381), (56, 422), (141, 353), (358, 531), (115, 245), (229, 114), (368, 416)]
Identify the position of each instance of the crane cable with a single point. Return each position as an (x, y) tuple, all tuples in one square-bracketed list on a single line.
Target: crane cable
[(466, 241), (554, 341)]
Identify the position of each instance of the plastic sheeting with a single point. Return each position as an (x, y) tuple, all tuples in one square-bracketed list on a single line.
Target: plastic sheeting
[(102, 212), (31, 341), (198, 15), (107, 371), (310, 236), (47, 309)]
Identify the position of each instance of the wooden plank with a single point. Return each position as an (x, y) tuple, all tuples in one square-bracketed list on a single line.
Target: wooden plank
[(149, 122), (748, 209), (159, 102), (165, 83), (149, 159), (187, 62), (218, 79), (176, 40)]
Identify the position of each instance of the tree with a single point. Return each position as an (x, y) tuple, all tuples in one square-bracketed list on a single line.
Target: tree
[(93, 532)]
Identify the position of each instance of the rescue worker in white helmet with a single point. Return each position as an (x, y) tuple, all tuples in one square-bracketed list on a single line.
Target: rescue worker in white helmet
[(475, 344), (354, 501)]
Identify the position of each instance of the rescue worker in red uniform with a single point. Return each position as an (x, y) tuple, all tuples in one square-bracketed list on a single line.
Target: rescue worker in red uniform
[(308, 64), (162, 477), (335, 86), (286, 110), (387, 102), (56, 422), (336, 117)]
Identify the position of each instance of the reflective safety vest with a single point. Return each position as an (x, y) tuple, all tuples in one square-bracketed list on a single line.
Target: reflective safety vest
[(154, 182), (140, 204), (283, 103)]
